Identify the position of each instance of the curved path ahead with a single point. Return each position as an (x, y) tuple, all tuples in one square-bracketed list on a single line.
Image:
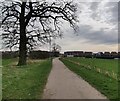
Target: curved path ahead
[(64, 84)]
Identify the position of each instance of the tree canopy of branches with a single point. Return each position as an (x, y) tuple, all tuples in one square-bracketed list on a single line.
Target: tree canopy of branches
[(26, 24)]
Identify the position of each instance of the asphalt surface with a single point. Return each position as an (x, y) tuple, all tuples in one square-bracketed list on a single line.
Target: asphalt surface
[(64, 84)]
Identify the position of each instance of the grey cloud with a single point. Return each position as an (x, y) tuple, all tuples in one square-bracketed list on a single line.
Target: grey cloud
[(94, 5), (119, 11), (94, 8), (98, 37), (101, 36), (110, 8), (113, 8)]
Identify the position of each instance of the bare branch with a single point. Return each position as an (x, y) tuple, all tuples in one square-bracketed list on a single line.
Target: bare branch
[(48, 15)]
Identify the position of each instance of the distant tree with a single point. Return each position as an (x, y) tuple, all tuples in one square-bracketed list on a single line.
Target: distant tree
[(56, 47), (27, 23)]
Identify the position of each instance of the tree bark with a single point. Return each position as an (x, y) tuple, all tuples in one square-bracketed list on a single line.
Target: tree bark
[(23, 38)]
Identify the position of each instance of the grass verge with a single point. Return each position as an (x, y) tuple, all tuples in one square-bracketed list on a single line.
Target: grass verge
[(105, 84), (26, 82)]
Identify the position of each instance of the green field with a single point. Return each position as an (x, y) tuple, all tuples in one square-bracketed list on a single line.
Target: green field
[(105, 66), (25, 82), (104, 83)]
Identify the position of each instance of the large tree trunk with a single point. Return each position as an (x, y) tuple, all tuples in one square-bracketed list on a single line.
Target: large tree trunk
[(22, 48), (22, 52), (23, 39)]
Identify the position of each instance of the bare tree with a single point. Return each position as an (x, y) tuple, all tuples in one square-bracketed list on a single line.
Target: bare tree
[(56, 47), (27, 23)]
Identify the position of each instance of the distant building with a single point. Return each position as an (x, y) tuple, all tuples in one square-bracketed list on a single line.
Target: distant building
[(105, 55), (74, 54), (118, 54), (114, 54), (81, 54), (98, 55), (88, 54), (68, 53), (78, 53)]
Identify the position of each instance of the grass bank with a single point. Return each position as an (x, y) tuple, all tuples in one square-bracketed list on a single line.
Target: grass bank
[(25, 82), (106, 85)]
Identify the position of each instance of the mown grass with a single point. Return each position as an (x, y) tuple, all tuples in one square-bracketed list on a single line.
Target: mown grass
[(105, 84), (25, 82), (110, 65)]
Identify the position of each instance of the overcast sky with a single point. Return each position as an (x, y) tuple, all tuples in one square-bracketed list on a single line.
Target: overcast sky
[(98, 28)]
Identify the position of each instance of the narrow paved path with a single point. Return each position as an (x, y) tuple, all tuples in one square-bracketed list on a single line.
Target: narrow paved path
[(64, 84)]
